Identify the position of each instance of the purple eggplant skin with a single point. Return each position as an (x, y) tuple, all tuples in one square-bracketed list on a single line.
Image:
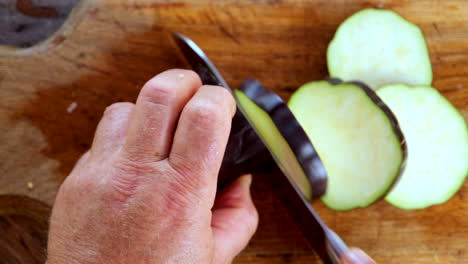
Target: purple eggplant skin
[(391, 116), (292, 131), (245, 153)]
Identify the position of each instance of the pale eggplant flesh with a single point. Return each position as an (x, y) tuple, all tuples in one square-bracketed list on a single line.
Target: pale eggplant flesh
[(391, 116), (358, 138)]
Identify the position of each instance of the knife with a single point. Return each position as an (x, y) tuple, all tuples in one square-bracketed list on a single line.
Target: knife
[(326, 243)]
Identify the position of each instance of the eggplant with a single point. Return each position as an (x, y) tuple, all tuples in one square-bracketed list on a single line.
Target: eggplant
[(379, 47), (286, 140), (356, 135), (437, 137), (245, 153)]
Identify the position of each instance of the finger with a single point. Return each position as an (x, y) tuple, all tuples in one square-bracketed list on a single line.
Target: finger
[(357, 256), (201, 137), (234, 220), (81, 161), (111, 130), (156, 112)]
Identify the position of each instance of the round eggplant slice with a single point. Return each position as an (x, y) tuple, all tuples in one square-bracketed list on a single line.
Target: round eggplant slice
[(357, 137), (283, 136), (379, 47), (437, 138)]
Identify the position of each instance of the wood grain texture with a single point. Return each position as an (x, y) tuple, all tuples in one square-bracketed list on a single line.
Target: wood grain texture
[(109, 48), (23, 225)]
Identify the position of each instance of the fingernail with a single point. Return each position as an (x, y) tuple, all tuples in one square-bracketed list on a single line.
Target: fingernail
[(357, 256), (247, 180)]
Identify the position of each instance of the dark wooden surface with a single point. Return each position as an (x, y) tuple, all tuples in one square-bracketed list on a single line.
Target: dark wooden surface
[(23, 229), (109, 48)]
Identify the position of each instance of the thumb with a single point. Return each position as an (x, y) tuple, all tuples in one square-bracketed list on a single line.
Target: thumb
[(357, 256), (234, 220)]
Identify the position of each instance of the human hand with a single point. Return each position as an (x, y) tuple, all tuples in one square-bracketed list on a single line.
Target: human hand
[(145, 191)]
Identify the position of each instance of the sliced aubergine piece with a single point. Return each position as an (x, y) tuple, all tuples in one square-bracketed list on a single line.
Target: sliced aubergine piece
[(245, 153), (283, 136), (357, 137), (379, 47), (437, 139)]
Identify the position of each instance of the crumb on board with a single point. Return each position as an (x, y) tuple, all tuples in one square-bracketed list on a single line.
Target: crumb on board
[(72, 107), (30, 185), (181, 76)]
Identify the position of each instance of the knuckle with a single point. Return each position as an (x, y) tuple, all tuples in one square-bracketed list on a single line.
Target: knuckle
[(226, 97), (127, 166), (204, 112), (185, 174), (117, 107), (134, 158), (124, 182), (121, 189), (185, 187), (223, 98), (181, 201), (77, 185), (158, 91), (162, 89)]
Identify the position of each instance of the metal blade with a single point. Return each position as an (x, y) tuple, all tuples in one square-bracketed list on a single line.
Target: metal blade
[(200, 62), (326, 243)]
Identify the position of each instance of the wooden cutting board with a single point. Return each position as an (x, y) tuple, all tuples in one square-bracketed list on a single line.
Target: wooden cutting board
[(53, 94)]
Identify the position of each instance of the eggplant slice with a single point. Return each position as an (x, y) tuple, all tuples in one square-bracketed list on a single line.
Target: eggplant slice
[(379, 47), (356, 135), (287, 141), (437, 137)]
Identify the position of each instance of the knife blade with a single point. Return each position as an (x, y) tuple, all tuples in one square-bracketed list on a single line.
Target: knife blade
[(327, 244)]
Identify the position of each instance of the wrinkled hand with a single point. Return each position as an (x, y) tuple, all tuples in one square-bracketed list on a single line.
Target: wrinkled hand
[(145, 192)]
